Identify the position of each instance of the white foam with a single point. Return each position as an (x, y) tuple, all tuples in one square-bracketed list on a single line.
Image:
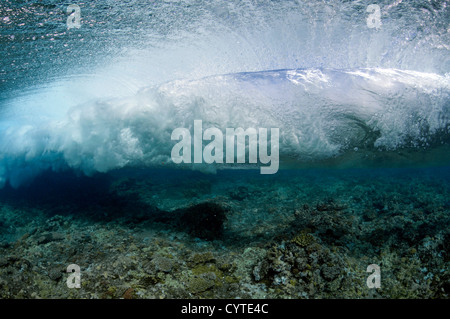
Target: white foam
[(320, 113)]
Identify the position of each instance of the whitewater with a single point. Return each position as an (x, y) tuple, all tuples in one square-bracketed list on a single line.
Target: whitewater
[(109, 94)]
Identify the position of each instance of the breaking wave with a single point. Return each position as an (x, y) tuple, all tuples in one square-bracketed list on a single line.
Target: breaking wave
[(109, 94), (323, 115)]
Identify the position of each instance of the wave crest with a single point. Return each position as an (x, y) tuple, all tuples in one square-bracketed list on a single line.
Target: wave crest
[(323, 115)]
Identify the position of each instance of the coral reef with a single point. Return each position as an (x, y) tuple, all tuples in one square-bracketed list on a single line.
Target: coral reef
[(291, 236)]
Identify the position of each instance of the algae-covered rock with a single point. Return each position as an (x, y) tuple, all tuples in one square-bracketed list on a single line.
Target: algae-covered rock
[(261, 269), (163, 264), (203, 258), (330, 272), (303, 239), (201, 283), (55, 274)]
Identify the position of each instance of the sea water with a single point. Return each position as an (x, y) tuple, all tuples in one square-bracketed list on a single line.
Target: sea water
[(91, 94)]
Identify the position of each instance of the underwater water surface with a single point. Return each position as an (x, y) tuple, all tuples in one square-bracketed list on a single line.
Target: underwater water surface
[(359, 95)]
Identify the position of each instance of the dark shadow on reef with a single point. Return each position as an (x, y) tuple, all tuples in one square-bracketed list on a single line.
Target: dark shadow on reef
[(91, 199)]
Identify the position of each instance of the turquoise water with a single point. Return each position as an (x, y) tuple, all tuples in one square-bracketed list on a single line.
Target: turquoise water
[(86, 122)]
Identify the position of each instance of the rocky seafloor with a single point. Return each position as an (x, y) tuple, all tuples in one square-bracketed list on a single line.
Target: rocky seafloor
[(235, 234)]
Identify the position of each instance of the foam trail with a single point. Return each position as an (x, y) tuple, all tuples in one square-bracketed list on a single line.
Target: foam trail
[(321, 113)]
